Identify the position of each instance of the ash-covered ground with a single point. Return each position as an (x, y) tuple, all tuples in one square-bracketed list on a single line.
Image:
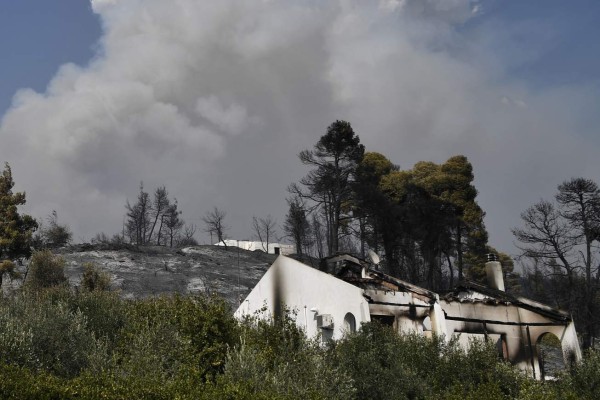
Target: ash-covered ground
[(153, 270)]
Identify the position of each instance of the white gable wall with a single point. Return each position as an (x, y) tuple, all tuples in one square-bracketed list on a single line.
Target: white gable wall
[(302, 288)]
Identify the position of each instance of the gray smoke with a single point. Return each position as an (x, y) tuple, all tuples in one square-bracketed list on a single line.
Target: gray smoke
[(214, 99)]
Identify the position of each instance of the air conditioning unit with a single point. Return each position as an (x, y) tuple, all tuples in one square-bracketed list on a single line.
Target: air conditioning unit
[(325, 321)]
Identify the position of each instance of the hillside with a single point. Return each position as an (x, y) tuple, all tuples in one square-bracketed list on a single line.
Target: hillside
[(150, 271)]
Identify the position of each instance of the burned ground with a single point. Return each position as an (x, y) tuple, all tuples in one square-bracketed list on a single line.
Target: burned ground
[(138, 272)]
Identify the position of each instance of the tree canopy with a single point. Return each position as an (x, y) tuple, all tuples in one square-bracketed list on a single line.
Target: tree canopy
[(15, 229), (328, 185), (425, 221)]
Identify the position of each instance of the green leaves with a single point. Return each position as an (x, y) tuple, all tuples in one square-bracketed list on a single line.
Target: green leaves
[(15, 229), (423, 218), (45, 270), (59, 344)]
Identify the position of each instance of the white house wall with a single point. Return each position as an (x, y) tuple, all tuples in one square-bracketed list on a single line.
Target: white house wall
[(302, 289)]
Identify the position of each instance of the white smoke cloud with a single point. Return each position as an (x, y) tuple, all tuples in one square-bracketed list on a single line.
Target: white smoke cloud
[(99, 5), (214, 99)]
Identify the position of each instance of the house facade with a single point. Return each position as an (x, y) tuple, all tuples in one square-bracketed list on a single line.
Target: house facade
[(346, 292)]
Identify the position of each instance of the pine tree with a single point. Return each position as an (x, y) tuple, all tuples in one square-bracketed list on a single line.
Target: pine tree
[(329, 185), (15, 229)]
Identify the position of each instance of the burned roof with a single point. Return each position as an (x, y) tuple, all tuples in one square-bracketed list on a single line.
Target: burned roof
[(363, 274), (494, 296)]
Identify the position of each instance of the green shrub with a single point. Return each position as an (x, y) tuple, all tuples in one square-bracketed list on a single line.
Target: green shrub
[(21, 383), (61, 342), (584, 379), (105, 312), (93, 278), (278, 339), (42, 333), (384, 364), (16, 341), (196, 330), (468, 371), (276, 360), (45, 270), (58, 344)]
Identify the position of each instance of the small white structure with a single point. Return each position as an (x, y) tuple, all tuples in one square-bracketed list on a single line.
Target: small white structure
[(350, 292), (252, 245)]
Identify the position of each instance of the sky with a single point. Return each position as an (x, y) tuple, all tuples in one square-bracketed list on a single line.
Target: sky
[(214, 100)]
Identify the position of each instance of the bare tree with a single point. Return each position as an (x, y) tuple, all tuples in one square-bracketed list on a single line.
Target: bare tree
[(562, 238), (138, 219), (159, 207), (152, 221), (214, 221), (265, 229), (186, 237)]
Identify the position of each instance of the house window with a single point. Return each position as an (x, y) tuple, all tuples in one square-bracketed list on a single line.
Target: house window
[(349, 323), (502, 347), (387, 320)]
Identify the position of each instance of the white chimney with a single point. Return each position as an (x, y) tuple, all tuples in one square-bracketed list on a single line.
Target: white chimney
[(493, 270)]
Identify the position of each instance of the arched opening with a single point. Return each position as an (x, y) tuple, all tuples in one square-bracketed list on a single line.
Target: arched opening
[(349, 323), (550, 355), (427, 324), (426, 327)]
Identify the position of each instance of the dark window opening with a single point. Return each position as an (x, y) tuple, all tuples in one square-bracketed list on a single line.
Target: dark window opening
[(387, 320), (502, 347)]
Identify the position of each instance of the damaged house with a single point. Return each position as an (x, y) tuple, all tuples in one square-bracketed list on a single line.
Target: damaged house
[(347, 292)]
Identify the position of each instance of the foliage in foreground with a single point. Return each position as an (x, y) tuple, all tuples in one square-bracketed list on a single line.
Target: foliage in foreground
[(58, 344)]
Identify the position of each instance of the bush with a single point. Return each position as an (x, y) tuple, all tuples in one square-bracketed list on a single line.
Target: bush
[(55, 343), (105, 312), (94, 279), (52, 236), (40, 334), (193, 329), (476, 373), (16, 341), (45, 270), (21, 383), (276, 360), (584, 379), (384, 364)]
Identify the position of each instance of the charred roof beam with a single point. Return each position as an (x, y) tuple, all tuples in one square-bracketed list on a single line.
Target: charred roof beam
[(489, 321)]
